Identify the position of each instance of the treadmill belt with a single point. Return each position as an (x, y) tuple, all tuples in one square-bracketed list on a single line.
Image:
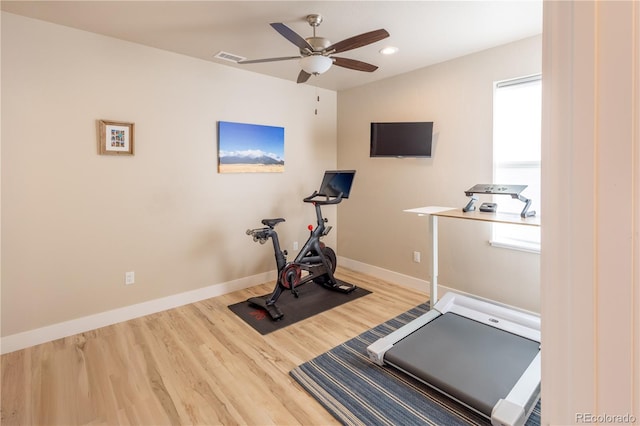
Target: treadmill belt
[(474, 363)]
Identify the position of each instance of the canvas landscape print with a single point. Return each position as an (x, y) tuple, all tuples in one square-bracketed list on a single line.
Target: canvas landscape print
[(250, 148)]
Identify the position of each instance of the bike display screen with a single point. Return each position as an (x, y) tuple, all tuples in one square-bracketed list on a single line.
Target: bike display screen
[(336, 181)]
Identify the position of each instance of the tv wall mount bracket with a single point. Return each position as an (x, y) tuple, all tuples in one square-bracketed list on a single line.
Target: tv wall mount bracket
[(495, 189)]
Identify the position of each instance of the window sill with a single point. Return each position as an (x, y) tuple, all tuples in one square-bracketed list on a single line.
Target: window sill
[(516, 245)]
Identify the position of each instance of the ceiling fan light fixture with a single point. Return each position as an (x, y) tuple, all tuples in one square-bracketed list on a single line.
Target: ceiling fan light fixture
[(315, 64), (389, 50)]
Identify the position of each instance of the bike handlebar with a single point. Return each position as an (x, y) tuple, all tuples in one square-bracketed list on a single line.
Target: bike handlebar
[(310, 199)]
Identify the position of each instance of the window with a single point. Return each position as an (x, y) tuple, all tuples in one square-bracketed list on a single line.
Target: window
[(517, 114)]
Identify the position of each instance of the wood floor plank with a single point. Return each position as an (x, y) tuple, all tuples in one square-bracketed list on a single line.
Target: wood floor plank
[(196, 364)]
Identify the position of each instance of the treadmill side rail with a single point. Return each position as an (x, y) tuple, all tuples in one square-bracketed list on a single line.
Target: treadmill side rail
[(377, 349), (517, 406), (507, 413)]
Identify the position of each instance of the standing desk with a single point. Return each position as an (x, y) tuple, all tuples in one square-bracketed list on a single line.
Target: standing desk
[(434, 212)]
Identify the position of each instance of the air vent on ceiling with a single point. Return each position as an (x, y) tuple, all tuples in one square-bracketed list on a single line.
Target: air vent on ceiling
[(226, 56)]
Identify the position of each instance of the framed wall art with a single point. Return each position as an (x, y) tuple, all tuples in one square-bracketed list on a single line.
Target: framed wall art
[(250, 148), (116, 138)]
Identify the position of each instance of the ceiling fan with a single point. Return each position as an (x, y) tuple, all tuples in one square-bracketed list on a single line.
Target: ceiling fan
[(316, 53)]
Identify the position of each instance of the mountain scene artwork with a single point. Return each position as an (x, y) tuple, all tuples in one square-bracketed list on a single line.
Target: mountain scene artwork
[(250, 148)]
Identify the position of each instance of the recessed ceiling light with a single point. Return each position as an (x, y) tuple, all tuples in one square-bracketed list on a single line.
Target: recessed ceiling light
[(390, 50)]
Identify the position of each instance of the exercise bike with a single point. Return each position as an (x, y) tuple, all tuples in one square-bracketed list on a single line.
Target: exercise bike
[(315, 257)]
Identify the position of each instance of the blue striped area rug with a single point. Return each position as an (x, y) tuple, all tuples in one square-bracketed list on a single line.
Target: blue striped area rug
[(357, 391)]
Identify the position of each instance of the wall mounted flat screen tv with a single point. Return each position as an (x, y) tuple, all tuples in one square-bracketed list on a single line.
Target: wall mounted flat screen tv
[(401, 139)]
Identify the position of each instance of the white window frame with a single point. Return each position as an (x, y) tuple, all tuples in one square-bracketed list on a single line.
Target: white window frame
[(516, 237)]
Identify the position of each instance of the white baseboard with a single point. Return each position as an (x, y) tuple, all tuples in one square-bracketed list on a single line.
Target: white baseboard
[(48, 333), (37, 336), (385, 274)]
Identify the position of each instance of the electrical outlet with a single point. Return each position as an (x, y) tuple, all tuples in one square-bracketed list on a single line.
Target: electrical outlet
[(295, 245), (129, 278), (416, 256)]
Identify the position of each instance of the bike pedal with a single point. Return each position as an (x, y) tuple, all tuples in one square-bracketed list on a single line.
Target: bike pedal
[(345, 288)]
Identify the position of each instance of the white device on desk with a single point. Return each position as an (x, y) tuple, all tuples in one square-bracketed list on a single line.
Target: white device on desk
[(482, 354)]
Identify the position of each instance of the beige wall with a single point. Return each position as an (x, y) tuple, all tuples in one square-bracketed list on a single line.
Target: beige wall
[(73, 222), (457, 96)]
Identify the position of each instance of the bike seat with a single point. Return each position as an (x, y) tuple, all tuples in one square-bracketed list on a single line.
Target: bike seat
[(272, 222)]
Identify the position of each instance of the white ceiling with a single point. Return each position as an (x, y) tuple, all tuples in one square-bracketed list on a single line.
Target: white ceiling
[(425, 32)]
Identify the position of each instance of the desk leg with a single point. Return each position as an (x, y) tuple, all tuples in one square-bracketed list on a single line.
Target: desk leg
[(434, 261)]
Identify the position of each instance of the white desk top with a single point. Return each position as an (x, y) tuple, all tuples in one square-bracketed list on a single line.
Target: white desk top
[(429, 210), (456, 212)]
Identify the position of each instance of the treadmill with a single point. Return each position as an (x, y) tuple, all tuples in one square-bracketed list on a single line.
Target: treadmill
[(484, 355)]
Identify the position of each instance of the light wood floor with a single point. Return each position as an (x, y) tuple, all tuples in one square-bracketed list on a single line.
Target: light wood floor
[(197, 364)]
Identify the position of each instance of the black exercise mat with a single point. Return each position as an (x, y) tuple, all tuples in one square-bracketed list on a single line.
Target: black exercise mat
[(313, 299)]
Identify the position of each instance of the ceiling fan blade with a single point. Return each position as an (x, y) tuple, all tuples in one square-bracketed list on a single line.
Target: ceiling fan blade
[(303, 76), (357, 41), (292, 36), (257, 61), (353, 64)]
